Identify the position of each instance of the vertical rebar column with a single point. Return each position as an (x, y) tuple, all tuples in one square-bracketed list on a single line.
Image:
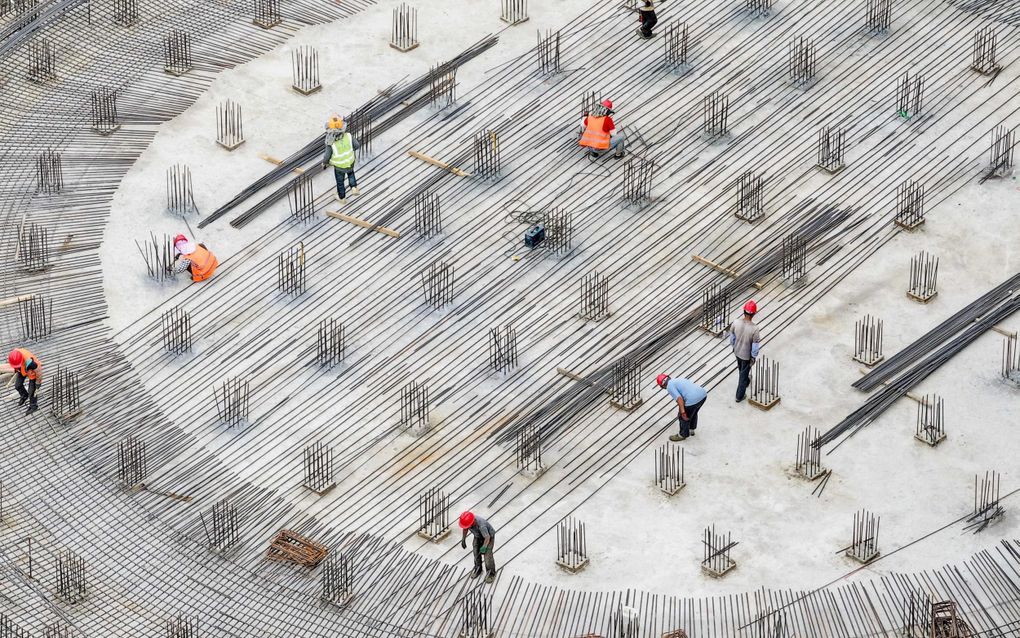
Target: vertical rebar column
[(318, 460), (159, 257), (717, 560), (404, 35), (909, 96), (802, 62), (715, 110), (571, 545), (56, 630), (513, 11), (924, 270), (529, 450), (864, 544), (103, 102), (65, 397), (428, 218), (125, 12), (437, 281), (434, 515), (33, 250), (909, 205), (831, 145), (331, 343), (177, 58), (36, 316), (222, 531), (750, 197), (1011, 360), (71, 585), (984, 60), (442, 85), (267, 13), (591, 102), (290, 270), (878, 16), (305, 66), (42, 60), (759, 8), (232, 401), (917, 615), (486, 146), (987, 509), (337, 579), (794, 255), (549, 52), (131, 463), (181, 626), (637, 179), (229, 126), (49, 172), (625, 391), (503, 348), (595, 296), (176, 325), (931, 427), (476, 608), (559, 229), (868, 340), (414, 407), (8, 628), (1000, 162), (180, 196), (809, 457), (764, 384), (669, 469), (715, 309), (301, 198), (677, 41), (360, 126)]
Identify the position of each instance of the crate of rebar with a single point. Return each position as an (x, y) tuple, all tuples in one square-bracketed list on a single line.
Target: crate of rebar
[(868, 340), (864, 545), (924, 270), (931, 428), (291, 547), (434, 515), (404, 34), (717, 561), (571, 545), (764, 384)]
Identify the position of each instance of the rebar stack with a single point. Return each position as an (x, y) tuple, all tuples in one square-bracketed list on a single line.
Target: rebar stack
[(103, 102), (125, 12), (290, 270), (181, 626), (437, 282), (159, 257), (809, 458), (984, 58), (301, 197), (794, 256), (764, 384), (759, 8), (1000, 152), (559, 229), (176, 330), (717, 560), (36, 316), (594, 296), (330, 343), (669, 469), (831, 149), (65, 397), (49, 172), (715, 112), (337, 579), (443, 85), (637, 179), (486, 147), (503, 348), (528, 450), (131, 461), (987, 508), (909, 205), (864, 540), (677, 43), (71, 584), (931, 427), (802, 61), (475, 614), (42, 61), (233, 401), (414, 407), (878, 16), (180, 196), (304, 63), (229, 125), (33, 250), (513, 11), (1011, 360), (750, 200), (434, 515), (318, 459), (267, 13), (222, 531), (924, 270), (177, 59), (625, 391), (549, 52), (404, 34), (715, 309), (868, 340), (909, 96), (571, 545)]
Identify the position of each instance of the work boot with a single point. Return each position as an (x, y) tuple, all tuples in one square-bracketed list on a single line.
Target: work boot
[(491, 577), (31, 408), (676, 438), (475, 573), (341, 200), (23, 399), (355, 191)]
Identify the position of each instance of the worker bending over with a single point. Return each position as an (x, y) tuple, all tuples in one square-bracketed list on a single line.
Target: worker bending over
[(600, 133), (647, 18), (195, 258), (26, 366), (340, 147), (745, 339), (485, 537), (689, 398)]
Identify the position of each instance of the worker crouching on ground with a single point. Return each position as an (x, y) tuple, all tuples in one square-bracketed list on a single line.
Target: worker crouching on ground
[(485, 537), (689, 397), (340, 148), (746, 342), (26, 366), (647, 18), (600, 134), (195, 258)]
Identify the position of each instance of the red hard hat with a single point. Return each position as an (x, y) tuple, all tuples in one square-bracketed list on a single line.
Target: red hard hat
[(180, 238), (15, 358), (660, 379), (750, 307), (467, 519), (607, 103)]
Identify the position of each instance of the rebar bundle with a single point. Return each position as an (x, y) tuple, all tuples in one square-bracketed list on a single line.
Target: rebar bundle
[(831, 149), (794, 257), (475, 614), (267, 13), (33, 251), (65, 397), (71, 585), (513, 11), (428, 218), (625, 391), (503, 348), (42, 61), (595, 296), (125, 12), (864, 540), (677, 43), (909, 205), (36, 316), (8, 628), (437, 282), (290, 270), (931, 428), (1000, 152), (802, 62), (222, 531), (180, 196), (528, 450), (301, 197), (984, 59), (49, 172), (878, 16), (330, 343), (715, 309), (318, 459), (1011, 360), (486, 147), (337, 579), (637, 179), (924, 270), (868, 340), (232, 401), (404, 34), (987, 508), (669, 469), (549, 52), (229, 126), (909, 96), (715, 112), (559, 229), (104, 110), (759, 8), (181, 626), (176, 330), (809, 458), (131, 461), (304, 62), (764, 384), (716, 551), (177, 58), (414, 407), (434, 515), (443, 85), (750, 200), (571, 545)]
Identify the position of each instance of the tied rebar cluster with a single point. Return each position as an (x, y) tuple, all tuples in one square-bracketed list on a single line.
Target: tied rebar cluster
[(65, 397), (434, 515), (176, 330), (984, 58), (331, 343), (49, 172), (625, 391), (229, 125), (103, 102), (764, 384), (318, 461), (475, 614), (1011, 360), (233, 401), (487, 155), (715, 113), (528, 450), (758, 8), (878, 16), (428, 216), (290, 270), (559, 230), (909, 205), (437, 282), (513, 11), (571, 545), (132, 466), (716, 548), (56, 630), (360, 125), (924, 271), (10, 629), (71, 582), (442, 85), (42, 61), (267, 13), (158, 254), (669, 469), (591, 104), (222, 530), (987, 508), (802, 62), (750, 197), (125, 12), (864, 538), (549, 52), (337, 579), (301, 197), (794, 256), (594, 296), (909, 96), (715, 309), (917, 614), (677, 42), (831, 149), (503, 348), (180, 195), (931, 426), (404, 34), (1000, 152), (33, 251), (181, 626), (868, 340), (304, 62), (809, 457), (637, 179), (177, 59), (414, 407), (36, 314)]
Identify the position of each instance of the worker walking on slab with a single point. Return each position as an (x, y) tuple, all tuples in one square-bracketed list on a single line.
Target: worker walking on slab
[(600, 134), (745, 338), (485, 537), (647, 18), (689, 398), (340, 148), (26, 365), (194, 258)]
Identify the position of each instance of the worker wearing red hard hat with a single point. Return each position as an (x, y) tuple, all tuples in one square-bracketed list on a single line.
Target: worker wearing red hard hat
[(195, 258), (689, 398), (745, 339), (600, 134), (485, 537), (26, 365)]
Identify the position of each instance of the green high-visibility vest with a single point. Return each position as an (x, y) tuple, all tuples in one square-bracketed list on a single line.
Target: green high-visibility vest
[(343, 152)]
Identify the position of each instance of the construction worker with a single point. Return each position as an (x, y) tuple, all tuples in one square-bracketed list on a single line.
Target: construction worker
[(26, 366), (340, 147), (195, 258), (600, 133), (689, 397), (745, 339), (485, 537), (647, 18)]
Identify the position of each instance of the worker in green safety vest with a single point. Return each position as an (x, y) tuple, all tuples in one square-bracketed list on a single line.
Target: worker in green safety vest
[(340, 148)]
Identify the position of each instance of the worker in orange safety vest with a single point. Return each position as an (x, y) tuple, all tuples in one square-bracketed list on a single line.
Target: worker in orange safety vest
[(195, 258), (600, 134), (26, 365)]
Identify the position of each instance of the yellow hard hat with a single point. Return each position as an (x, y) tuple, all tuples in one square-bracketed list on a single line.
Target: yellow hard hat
[(336, 122)]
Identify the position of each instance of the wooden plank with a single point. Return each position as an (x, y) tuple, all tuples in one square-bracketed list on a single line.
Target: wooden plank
[(273, 160), (431, 160), (733, 274), (364, 224), (585, 380), (10, 301), (1003, 331)]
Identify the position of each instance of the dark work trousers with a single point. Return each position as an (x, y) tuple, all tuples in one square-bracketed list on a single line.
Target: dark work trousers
[(648, 21), (19, 385), (490, 562), (339, 174), (744, 380), (692, 418)]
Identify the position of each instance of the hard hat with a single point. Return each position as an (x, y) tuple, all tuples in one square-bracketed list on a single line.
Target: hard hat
[(336, 122), (467, 519), (179, 238), (15, 358), (750, 307), (607, 103), (662, 378)]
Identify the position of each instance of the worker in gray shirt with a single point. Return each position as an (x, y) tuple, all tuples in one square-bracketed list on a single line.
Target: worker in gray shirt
[(485, 538), (746, 342)]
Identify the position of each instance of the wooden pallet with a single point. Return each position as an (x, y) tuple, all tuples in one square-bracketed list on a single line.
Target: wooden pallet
[(292, 547)]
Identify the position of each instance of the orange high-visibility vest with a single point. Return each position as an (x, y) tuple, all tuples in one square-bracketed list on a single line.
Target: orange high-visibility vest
[(203, 263), (594, 137), (31, 374)]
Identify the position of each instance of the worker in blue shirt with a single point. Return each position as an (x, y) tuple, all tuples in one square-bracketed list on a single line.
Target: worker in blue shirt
[(689, 397)]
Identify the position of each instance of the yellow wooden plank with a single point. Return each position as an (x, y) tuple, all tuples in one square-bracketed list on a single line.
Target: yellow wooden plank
[(363, 223)]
